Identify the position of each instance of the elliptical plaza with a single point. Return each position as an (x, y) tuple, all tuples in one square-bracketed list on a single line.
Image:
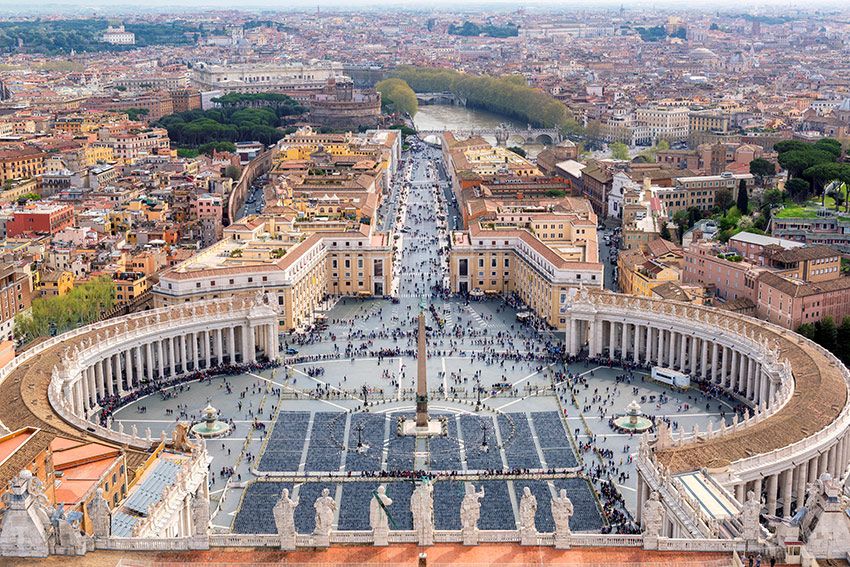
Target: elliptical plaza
[(517, 413)]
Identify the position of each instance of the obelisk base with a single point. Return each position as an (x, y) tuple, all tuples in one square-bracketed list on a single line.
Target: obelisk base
[(432, 428)]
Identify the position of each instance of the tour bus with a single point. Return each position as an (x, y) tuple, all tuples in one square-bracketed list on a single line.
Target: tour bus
[(670, 377)]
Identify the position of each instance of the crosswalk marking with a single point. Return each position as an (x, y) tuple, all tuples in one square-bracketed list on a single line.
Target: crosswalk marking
[(476, 316)]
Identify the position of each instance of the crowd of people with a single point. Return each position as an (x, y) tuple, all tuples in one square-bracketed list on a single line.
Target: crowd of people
[(167, 388)]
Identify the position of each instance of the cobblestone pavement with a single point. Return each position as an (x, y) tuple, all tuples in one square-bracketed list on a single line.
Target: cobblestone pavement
[(369, 344)]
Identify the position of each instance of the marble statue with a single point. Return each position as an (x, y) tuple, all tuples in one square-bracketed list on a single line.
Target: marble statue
[(98, 510), (422, 509), (25, 528), (750, 511), (470, 511), (67, 531), (180, 437), (527, 511), (200, 512), (652, 516), (284, 519), (379, 518), (325, 507), (562, 511)]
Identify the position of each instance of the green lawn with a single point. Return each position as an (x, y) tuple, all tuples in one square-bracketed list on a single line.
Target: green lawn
[(797, 212)]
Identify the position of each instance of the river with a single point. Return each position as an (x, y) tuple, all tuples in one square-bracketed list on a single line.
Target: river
[(451, 117)]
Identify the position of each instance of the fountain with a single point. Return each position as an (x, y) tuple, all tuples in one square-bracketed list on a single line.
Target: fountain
[(633, 421), (210, 426)]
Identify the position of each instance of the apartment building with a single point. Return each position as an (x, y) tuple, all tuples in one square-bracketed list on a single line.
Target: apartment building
[(504, 259), (701, 191), (642, 269), (299, 270), (20, 163), (15, 297), (663, 123)]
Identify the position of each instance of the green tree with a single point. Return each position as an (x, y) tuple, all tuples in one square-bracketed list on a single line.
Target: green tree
[(517, 150), (233, 172), (743, 199), (210, 147), (681, 218), (665, 231), (829, 145), (843, 341), (136, 113), (723, 199), (761, 168), (771, 198), (822, 175), (503, 95), (807, 330), (838, 197), (797, 161), (84, 304), (826, 333), (797, 189), (397, 96), (619, 150)]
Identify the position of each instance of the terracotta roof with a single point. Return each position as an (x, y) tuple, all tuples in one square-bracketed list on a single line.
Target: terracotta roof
[(820, 393), (796, 288), (671, 291), (801, 254), (660, 247)]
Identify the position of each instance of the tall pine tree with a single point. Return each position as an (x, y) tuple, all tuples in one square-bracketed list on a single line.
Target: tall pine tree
[(743, 201)]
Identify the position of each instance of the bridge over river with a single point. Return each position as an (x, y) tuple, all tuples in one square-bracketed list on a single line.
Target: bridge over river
[(505, 134)]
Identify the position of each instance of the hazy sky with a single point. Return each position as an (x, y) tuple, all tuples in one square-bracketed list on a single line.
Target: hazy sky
[(86, 6)]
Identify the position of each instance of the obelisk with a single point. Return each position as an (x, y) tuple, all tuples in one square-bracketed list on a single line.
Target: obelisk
[(421, 377)]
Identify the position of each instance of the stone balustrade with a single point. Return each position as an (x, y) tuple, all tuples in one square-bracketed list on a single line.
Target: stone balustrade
[(797, 391), (117, 358), (440, 536)]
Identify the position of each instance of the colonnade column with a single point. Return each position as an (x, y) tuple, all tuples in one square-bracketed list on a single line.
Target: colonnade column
[(802, 479), (749, 377), (671, 350), (624, 341), (137, 364), (638, 332), (252, 344), (160, 361), (683, 350), (117, 360), (569, 340), (172, 358), (763, 391), (271, 341), (787, 487), (107, 363), (218, 347), (196, 350), (715, 352), (692, 356), (151, 374), (98, 378), (182, 340), (207, 348), (128, 368), (597, 332)]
